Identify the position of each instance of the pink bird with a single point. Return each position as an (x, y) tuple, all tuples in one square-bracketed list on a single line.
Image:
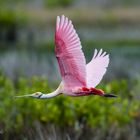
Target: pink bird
[(78, 79)]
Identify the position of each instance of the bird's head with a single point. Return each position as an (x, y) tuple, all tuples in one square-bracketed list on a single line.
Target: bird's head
[(37, 94), (34, 95)]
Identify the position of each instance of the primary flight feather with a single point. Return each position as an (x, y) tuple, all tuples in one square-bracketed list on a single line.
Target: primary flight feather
[(68, 52), (78, 79)]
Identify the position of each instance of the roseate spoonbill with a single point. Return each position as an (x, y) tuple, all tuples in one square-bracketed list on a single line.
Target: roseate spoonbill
[(78, 79)]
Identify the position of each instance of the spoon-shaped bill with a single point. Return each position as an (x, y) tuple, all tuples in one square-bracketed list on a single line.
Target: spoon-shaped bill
[(27, 95)]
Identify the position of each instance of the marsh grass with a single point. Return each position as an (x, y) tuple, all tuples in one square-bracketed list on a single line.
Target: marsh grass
[(65, 117)]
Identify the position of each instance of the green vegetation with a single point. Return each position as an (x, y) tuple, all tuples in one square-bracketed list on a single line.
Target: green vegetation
[(58, 3), (9, 17), (19, 115), (113, 43), (80, 118)]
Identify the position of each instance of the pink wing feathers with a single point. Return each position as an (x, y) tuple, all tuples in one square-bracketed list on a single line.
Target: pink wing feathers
[(96, 68), (69, 54)]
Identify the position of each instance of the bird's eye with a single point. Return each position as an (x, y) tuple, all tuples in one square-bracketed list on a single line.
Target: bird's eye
[(36, 94)]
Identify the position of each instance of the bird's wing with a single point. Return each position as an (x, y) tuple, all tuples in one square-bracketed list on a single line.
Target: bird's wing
[(68, 52), (96, 68)]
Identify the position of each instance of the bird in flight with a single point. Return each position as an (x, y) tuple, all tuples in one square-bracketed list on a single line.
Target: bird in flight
[(78, 78)]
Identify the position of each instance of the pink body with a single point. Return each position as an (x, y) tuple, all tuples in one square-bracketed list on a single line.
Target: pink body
[(77, 77), (80, 91), (88, 91)]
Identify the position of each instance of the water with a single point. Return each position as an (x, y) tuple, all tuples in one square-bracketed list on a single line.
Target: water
[(124, 60), (124, 63), (26, 63), (46, 34), (118, 33)]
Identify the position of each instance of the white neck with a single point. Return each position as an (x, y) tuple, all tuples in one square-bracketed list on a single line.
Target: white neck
[(49, 95), (52, 94)]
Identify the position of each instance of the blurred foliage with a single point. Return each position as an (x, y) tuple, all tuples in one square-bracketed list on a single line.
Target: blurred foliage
[(117, 43), (10, 21), (6, 17), (91, 111), (10, 3), (58, 3), (100, 43), (9, 17)]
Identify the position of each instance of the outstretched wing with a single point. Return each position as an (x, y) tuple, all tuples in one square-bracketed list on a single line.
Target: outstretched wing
[(68, 52), (96, 68)]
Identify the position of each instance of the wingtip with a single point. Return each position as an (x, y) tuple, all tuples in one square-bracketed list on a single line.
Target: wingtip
[(57, 22), (100, 52), (95, 53), (58, 17), (62, 15), (104, 54)]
